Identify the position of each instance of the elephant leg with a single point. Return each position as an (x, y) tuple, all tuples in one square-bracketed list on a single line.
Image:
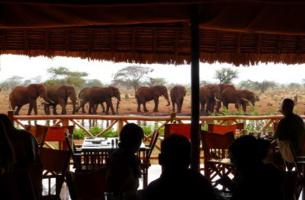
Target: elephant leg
[(218, 106), (35, 107), (18, 110), (180, 105), (144, 107), (103, 107), (54, 109), (91, 108), (139, 107), (173, 104), (63, 104), (156, 105), (244, 106), (111, 107), (46, 109)]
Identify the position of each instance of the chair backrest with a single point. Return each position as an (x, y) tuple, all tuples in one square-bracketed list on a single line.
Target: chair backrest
[(215, 146), (179, 129), (58, 134), (87, 184), (223, 129), (55, 165), (39, 132), (152, 143)]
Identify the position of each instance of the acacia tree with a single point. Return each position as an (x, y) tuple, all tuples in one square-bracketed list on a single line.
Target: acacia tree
[(226, 75), (131, 76), (62, 75), (156, 81)]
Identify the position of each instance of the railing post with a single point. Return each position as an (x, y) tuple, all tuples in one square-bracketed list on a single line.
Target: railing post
[(195, 79), (120, 125), (65, 122), (10, 115)]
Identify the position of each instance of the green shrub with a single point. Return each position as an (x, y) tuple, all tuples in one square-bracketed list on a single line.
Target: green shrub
[(95, 130), (110, 133), (79, 134), (147, 130)]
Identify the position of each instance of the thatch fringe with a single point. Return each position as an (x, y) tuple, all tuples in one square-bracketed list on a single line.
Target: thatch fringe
[(154, 44)]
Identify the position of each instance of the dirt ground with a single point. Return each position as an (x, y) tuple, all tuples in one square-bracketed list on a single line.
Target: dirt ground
[(268, 104)]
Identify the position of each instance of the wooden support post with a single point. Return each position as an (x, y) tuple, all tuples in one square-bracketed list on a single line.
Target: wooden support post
[(65, 122), (195, 56), (10, 115), (120, 125)]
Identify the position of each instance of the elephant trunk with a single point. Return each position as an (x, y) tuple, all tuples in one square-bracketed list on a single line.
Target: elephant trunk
[(167, 98), (117, 106), (46, 98), (74, 103)]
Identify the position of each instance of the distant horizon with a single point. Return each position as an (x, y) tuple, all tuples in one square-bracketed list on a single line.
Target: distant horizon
[(35, 67)]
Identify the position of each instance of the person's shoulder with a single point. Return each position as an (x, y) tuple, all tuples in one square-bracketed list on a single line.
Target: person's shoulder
[(197, 179), (23, 134)]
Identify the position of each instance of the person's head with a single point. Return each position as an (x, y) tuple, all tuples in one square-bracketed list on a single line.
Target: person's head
[(244, 153), (175, 152), (131, 137), (6, 122), (7, 152), (263, 148), (287, 106)]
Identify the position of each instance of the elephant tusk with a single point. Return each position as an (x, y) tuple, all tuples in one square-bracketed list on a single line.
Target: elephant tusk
[(216, 99), (246, 100)]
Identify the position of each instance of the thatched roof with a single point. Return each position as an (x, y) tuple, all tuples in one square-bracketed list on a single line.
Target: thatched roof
[(239, 32)]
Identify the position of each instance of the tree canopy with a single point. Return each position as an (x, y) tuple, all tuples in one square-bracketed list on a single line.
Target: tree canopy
[(131, 76), (226, 75), (62, 75)]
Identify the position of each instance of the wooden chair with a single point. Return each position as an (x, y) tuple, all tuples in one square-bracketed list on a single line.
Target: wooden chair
[(179, 129), (58, 134), (39, 132), (55, 165), (223, 129), (146, 158), (75, 153), (217, 166), (87, 184)]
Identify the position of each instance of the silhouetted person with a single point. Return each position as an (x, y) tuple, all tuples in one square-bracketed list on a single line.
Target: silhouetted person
[(25, 173), (177, 181), (253, 178), (291, 128), (123, 170)]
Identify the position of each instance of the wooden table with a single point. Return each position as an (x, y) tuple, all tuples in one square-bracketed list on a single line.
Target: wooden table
[(96, 151)]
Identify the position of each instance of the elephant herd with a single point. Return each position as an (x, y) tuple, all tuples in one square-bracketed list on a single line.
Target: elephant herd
[(211, 97)]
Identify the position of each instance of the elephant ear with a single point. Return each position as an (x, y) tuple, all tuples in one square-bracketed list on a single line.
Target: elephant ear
[(33, 91)]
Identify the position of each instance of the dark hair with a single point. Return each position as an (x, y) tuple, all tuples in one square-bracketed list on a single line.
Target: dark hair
[(288, 105), (175, 152), (131, 136), (8, 125), (244, 152)]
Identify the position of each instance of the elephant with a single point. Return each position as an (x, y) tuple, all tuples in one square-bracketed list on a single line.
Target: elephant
[(209, 97), (144, 94), (222, 87), (22, 95), (238, 97), (59, 95), (177, 94), (83, 97), (246, 97), (229, 95), (98, 95)]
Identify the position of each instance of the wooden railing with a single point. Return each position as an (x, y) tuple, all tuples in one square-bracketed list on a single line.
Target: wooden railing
[(255, 124), (107, 122)]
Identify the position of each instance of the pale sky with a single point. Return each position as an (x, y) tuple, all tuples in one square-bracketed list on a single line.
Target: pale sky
[(32, 67)]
